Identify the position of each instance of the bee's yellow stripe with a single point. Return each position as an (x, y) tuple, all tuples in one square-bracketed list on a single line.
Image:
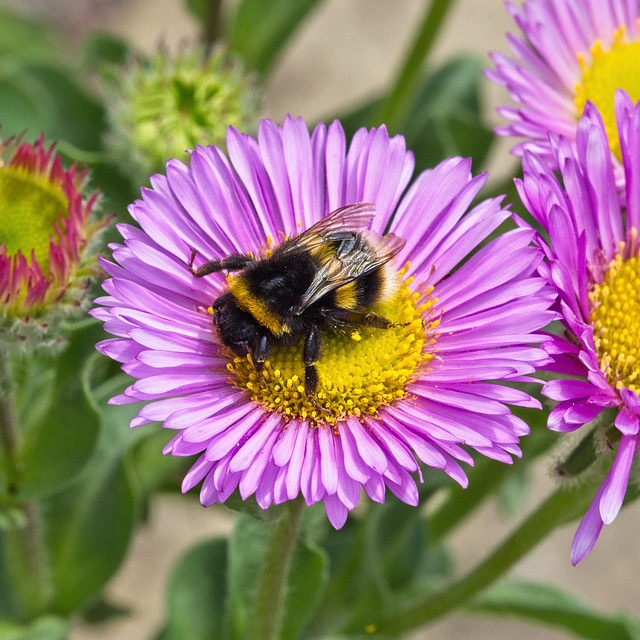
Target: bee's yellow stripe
[(256, 307), (345, 296), (322, 253)]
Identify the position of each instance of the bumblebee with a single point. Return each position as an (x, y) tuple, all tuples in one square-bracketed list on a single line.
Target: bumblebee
[(325, 279)]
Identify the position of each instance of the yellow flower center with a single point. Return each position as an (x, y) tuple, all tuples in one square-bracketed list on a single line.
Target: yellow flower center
[(615, 318), (619, 67), (360, 370), (30, 207)]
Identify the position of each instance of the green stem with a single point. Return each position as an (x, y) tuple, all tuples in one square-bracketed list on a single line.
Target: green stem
[(10, 439), (27, 555), (273, 579), (395, 107), (559, 508), (213, 22)]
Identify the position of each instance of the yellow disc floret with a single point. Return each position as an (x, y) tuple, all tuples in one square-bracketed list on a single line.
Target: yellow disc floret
[(31, 208), (615, 318), (360, 370), (618, 67)]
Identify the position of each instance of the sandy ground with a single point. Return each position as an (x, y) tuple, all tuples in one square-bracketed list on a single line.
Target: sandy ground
[(348, 51)]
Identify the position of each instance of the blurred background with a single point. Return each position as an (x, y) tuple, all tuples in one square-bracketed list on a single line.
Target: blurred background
[(346, 52)]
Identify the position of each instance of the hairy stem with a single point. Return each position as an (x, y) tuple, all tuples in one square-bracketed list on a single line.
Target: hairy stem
[(273, 579), (559, 508), (27, 557)]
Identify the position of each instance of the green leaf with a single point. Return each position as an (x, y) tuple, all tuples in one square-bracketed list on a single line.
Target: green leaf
[(247, 547), (307, 582), (165, 634), (102, 610), (260, 29), (396, 543), (60, 423), (102, 47), (552, 606), (25, 38), (73, 115), (43, 97), (251, 508), (89, 525), (198, 593), (445, 119), (348, 580), (11, 518), (199, 8), (21, 109), (151, 470), (45, 628)]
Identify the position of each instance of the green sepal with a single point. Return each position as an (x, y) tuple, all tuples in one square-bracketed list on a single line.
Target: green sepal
[(198, 593), (251, 508)]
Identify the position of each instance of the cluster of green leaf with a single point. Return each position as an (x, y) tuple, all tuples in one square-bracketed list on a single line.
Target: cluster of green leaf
[(87, 478)]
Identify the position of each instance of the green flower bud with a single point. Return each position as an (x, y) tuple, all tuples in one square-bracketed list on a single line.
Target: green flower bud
[(160, 108)]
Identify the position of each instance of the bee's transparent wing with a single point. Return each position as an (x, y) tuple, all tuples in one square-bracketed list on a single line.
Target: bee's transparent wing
[(339, 224), (355, 256)]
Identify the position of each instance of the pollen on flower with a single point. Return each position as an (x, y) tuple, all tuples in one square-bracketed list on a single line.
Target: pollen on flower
[(615, 318), (356, 376), (606, 71)]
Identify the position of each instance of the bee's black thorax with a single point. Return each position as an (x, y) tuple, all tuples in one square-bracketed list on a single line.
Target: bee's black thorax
[(325, 279)]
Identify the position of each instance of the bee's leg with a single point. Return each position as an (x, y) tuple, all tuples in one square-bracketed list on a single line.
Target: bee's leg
[(234, 262), (362, 318), (311, 353), (259, 357)]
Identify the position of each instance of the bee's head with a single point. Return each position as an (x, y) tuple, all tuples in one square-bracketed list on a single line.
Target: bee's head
[(238, 330)]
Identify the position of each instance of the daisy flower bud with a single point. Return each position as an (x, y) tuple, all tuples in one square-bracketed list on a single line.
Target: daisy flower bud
[(160, 108), (45, 233)]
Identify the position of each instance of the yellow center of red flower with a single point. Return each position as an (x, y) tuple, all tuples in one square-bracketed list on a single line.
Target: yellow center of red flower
[(360, 370), (618, 67), (31, 207), (615, 318)]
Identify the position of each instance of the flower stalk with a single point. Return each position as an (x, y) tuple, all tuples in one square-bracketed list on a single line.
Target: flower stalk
[(559, 508), (27, 554), (273, 579)]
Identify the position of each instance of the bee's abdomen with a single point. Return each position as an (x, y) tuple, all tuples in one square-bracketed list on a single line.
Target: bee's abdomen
[(365, 291)]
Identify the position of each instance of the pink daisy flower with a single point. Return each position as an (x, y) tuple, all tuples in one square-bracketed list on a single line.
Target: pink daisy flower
[(386, 398), (571, 52), (594, 265)]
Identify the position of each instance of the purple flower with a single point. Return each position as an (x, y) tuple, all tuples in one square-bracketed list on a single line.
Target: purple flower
[(594, 265), (573, 51), (385, 397)]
